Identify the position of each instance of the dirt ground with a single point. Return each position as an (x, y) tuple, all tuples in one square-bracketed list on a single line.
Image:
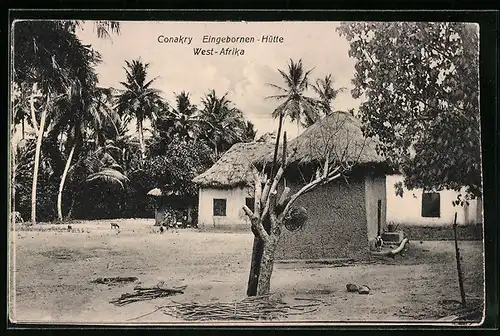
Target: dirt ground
[(52, 272)]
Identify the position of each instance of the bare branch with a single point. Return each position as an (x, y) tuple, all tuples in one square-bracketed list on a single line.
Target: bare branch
[(301, 174), (256, 224), (325, 168), (276, 180), (258, 193), (284, 196), (249, 212), (295, 196), (346, 181), (330, 179), (333, 172), (265, 193), (272, 211)]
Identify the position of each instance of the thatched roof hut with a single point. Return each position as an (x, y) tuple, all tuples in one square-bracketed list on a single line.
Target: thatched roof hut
[(235, 168), (339, 136)]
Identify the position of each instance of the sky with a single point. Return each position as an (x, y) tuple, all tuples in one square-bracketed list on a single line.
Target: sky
[(243, 77)]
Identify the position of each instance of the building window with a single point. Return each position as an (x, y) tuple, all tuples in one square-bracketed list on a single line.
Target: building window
[(250, 203), (220, 206), (431, 205)]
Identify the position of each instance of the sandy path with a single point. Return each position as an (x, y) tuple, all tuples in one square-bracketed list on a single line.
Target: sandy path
[(53, 273)]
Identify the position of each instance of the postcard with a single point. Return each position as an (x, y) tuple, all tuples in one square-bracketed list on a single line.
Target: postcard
[(245, 173)]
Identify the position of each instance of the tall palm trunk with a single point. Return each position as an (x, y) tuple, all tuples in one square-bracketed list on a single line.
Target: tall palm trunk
[(37, 162), (141, 139), (70, 212), (63, 180)]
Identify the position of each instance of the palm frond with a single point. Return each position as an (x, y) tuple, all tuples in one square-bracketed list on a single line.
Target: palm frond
[(108, 176)]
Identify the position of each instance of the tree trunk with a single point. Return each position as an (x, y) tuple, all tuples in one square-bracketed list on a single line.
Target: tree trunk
[(63, 180), (266, 267), (189, 215), (257, 252), (13, 183), (459, 268), (276, 145), (258, 244), (36, 166), (253, 278), (22, 128), (70, 212), (141, 140)]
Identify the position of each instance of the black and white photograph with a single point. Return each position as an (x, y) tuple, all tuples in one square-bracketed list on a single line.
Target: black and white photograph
[(245, 173)]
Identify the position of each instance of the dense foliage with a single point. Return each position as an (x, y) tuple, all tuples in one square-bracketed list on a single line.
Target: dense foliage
[(420, 82), (88, 148)]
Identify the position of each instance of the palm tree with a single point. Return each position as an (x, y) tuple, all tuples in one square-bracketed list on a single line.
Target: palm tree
[(104, 27), (180, 121), (20, 108), (116, 130), (138, 99), (46, 58), (249, 132), (89, 112), (326, 93), (298, 107), (99, 164), (222, 124), (294, 103)]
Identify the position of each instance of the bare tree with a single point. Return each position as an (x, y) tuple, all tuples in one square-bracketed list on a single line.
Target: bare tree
[(331, 149)]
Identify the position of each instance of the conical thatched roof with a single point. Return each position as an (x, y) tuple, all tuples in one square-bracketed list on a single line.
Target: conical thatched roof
[(338, 135), (235, 167)]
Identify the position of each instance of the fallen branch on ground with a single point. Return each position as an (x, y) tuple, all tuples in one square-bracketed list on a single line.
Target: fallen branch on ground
[(146, 293), (114, 281)]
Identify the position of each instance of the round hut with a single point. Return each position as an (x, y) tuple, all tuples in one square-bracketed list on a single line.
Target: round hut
[(344, 214)]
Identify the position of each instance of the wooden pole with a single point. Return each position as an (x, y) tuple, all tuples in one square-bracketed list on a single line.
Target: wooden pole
[(459, 268)]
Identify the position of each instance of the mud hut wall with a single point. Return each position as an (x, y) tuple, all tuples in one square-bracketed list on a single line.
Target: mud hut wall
[(376, 198), (407, 210), (235, 216), (336, 227)]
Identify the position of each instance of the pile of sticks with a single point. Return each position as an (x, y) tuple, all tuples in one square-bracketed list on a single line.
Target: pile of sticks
[(250, 309), (114, 281), (146, 293)]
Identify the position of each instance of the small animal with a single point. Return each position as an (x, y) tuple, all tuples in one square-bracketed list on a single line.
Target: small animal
[(115, 226)]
